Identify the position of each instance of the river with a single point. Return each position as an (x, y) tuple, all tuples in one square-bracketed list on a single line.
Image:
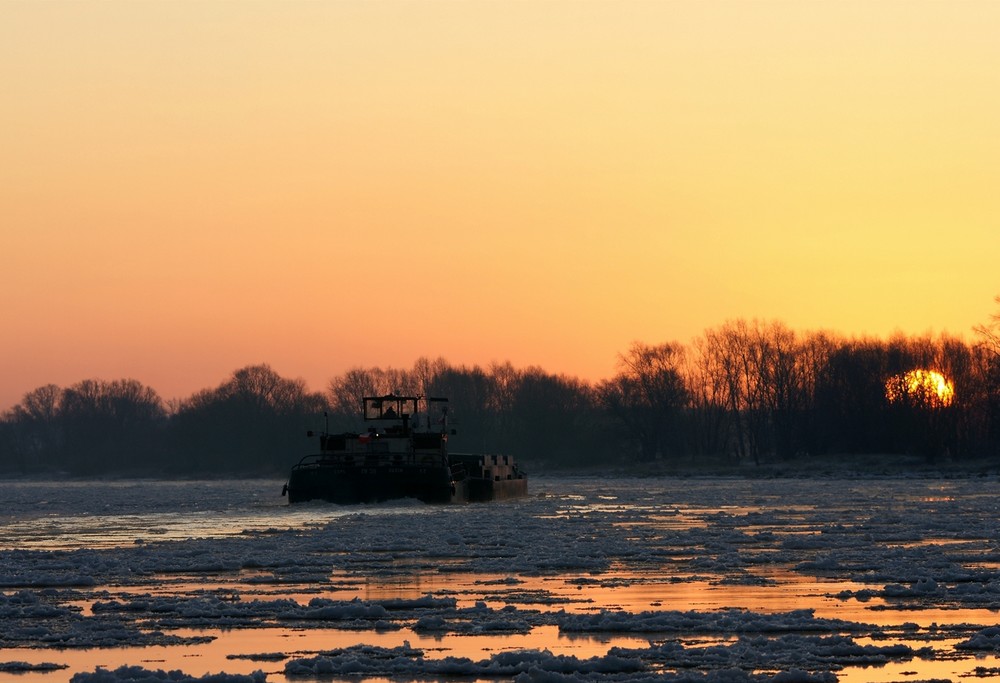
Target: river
[(850, 579)]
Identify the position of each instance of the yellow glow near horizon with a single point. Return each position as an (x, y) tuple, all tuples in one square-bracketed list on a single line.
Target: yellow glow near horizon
[(925, 387), (188, 188)]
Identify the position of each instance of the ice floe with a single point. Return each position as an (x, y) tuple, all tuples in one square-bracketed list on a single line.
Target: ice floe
[(137, 674), (589, 559)]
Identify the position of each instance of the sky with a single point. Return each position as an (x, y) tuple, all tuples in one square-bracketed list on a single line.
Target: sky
[(187, 188)]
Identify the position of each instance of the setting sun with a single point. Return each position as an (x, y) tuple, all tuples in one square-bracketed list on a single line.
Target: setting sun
[(926, 387), (180, 181)]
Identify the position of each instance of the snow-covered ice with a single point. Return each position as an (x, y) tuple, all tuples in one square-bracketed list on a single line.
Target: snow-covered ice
[(587, 579)]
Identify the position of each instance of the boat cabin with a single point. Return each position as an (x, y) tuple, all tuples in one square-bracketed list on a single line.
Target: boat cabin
[(406, 414)]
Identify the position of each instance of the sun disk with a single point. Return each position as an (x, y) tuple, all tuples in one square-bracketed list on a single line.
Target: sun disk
[(927, 387)]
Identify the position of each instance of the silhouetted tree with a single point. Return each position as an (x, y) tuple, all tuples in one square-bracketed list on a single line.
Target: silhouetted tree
[(347, 391), (252, 423), (425, 372), (742, 391), (743, 358), (468, 392), (503, 385), (710, 422), (989, 376), (990, 332), (648, 396), (850, 397), (33, 432), (784, 389), (814, 355), (111, 426), (558, 421)]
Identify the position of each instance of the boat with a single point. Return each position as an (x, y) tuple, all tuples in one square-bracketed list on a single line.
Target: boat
[(403, 453)]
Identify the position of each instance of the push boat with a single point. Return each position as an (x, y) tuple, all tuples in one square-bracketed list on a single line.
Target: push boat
[(402, 454)]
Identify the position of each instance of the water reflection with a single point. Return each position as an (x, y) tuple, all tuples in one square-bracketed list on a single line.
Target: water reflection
[(122, 520), (740, 545)]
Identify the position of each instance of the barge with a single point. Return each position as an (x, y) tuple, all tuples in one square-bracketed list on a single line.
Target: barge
[(403, 453)]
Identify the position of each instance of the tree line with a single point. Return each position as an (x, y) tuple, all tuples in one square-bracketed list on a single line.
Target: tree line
[(747, 392)]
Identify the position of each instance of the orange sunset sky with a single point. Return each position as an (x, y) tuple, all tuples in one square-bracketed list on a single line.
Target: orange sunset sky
[(190, 187)]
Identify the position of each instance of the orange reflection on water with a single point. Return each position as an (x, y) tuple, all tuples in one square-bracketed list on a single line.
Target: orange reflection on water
[(619, 589), (750, 566)]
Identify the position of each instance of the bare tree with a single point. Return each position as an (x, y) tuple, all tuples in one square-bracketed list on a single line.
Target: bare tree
[(759, 373), (424, 374), (347, 391), (252, 422), (814, 355), (647, 396), (111, 426), (727, 357), (469, 392), (35, 431), (708, 395), (990, 332), (556, 420), (504, 384)]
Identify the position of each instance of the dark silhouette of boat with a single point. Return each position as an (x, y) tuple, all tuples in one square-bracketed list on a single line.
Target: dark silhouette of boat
[(402, 454)]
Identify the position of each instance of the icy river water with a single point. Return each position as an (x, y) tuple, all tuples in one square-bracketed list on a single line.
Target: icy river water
[(586, 579)]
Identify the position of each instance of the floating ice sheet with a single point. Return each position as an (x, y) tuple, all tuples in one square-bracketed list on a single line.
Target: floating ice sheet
[(587, 579)]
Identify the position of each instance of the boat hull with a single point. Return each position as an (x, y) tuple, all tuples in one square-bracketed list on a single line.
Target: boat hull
[(465, 479), (348, 485), (481, 490)]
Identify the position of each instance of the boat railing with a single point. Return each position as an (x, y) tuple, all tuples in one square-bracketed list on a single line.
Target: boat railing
[(370, 459)]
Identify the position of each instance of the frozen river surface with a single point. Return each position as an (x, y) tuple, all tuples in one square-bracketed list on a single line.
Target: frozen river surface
[(587, 579)]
